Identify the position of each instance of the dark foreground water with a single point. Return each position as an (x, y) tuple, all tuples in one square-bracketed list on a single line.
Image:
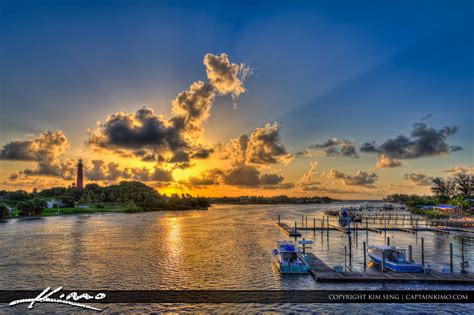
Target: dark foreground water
[(226, 247)]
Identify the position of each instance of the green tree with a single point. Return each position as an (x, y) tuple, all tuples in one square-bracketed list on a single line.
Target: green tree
[(31, 207), (464, 184), (443, 189), (4, 213), (460, 201)]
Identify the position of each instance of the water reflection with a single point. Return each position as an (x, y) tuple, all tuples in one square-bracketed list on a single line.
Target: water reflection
[(226, 247)]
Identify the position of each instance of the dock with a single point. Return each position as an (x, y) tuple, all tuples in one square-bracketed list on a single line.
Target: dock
[(323, 273), (287, 230), (374, 276)]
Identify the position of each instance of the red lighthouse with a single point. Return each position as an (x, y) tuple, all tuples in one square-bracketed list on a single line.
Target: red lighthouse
[(80, 175)]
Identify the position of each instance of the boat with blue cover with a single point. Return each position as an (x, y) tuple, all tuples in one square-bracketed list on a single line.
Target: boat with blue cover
[(395, 258), (288, 258)]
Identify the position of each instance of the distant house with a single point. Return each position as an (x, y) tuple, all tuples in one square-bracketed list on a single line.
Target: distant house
[(426, 207), (54, 203), (446, 208)]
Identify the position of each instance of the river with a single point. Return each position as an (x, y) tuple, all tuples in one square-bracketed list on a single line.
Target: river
[(225, 247)]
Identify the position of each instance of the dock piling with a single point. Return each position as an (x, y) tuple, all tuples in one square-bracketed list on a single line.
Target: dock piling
[(279, 219), (345, 258), (367, 231), (295, 232), (451, 265), (383, 261), (365, 257), (388, 240), (410, 253), (422, 251)]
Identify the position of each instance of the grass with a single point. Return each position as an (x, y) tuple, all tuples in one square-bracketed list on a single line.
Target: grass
[(108, 207)]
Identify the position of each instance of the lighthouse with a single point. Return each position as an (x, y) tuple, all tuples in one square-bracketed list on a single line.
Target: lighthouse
[(80, 175)]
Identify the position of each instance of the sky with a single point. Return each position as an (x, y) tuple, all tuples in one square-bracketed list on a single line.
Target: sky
[(352, 100)]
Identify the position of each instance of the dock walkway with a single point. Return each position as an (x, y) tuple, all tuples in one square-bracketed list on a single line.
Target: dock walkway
[(287, 230)]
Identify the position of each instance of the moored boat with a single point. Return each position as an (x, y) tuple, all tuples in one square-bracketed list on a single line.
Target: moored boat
[(288, 258), (395, 258)]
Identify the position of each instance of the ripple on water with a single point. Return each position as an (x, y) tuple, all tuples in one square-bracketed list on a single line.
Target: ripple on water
[(226, 247)]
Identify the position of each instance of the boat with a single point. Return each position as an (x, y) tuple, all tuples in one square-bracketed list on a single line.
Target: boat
[(288, 258), (395, 258), (344, 217)]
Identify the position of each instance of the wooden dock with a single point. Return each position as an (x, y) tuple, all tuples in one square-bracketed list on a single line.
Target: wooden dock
[(374, 276), (287, 230), (323, 273)]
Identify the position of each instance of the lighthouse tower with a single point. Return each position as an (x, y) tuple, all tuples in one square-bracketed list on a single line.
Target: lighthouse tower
[(80, 175)]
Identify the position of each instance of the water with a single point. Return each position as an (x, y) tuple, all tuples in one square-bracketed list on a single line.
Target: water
[(226, 247)]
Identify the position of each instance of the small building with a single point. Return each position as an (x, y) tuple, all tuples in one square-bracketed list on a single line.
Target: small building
[(426, 207), (446, 208), (54, 203)]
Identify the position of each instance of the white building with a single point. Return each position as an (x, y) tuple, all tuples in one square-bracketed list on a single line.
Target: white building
[(54, 203)]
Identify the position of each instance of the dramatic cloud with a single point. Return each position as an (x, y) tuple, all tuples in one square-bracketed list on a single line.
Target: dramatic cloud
[(423, 141), (387, 162), (100, 171), (262, 147), (155, 138), (224, 76), (329, 143), (46, 149), (335, 147), (308, 181), (45, 146), (242, 176), (460, 170), (360, 178), (419, 179), (194, 106)]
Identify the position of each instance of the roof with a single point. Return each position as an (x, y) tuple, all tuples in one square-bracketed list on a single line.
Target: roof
[(385, 247)]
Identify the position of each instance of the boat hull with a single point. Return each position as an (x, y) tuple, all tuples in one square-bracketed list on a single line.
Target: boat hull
[(290, 268), (396, 267)]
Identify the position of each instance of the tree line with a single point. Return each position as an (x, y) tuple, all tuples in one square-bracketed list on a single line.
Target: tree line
[(455, 191), (136, 195)]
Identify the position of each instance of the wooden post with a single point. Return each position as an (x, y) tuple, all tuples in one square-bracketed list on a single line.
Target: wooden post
[(314, 223), (365, 258), (327, 226), (306, 221), (357, 233), (367, 231), (345, 258), (302, 221), (383, 261), (388, 240), (278, 219), (350, 249), (403, 220), (385, 230), (322, 228), (451, 265), (422, 251), (295, 231), (410, 253)]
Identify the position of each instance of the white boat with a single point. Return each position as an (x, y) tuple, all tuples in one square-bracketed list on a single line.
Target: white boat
[(395, 258), (288, 258)]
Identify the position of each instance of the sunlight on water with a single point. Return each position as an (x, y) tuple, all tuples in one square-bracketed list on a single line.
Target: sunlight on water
[(226, 247)]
